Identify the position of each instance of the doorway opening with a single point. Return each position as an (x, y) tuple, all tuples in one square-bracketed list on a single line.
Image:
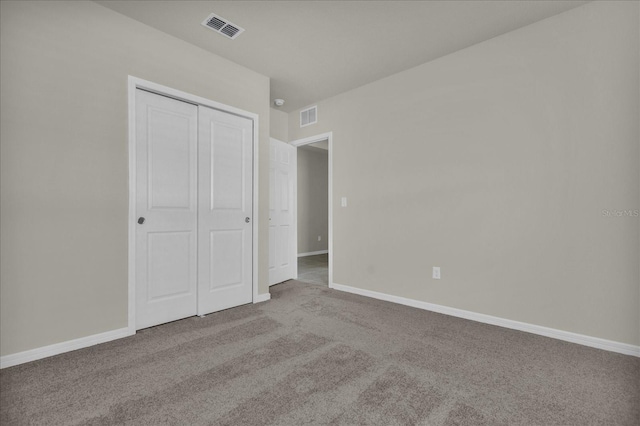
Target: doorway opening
[(314, 209)]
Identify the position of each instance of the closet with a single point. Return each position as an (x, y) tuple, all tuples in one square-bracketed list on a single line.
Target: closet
[(194, 203)]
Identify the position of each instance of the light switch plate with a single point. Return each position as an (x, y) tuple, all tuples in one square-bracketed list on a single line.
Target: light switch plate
[(436, 272), (343, 202)]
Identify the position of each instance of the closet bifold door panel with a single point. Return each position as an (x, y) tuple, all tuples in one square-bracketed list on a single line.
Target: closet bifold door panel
[(225, 206), (166, 209)]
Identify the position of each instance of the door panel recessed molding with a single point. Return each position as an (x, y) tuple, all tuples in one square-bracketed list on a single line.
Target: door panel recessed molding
[(171, 166), (171, 252), (227, 247)]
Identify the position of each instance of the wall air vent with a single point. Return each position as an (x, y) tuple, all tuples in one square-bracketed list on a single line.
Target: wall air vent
[(309, 116), (222, 26)]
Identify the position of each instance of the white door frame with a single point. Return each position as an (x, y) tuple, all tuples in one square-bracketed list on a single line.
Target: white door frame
[(138, 83), (306, 141)]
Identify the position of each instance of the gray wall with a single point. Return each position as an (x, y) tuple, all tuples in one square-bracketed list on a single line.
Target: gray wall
[(496, 163), (64, 160), (313, 199), (279, 126)]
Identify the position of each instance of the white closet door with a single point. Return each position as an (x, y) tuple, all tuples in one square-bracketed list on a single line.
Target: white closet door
[(166, 205), (282, 219), (225, 210)]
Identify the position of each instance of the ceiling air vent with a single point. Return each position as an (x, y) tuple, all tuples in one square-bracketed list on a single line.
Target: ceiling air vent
[(222, 26), (309, 116)]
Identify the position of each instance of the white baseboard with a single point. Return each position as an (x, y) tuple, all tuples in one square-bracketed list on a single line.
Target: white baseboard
[(262, 297), (58, 348), (581, 339), (313, 253), (80, 343), (594, 342)]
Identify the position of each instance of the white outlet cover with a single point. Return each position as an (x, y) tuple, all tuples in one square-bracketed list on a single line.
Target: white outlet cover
[(343, 202), (436, 272)]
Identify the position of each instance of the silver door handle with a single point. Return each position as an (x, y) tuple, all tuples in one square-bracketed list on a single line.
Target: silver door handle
[(141, 220), (247, 219)]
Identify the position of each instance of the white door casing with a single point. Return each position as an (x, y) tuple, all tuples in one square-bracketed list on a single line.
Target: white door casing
[(225, 211), (313, 139), (283, 263), (166, 203)]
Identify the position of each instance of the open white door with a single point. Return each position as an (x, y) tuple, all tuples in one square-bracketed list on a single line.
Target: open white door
[(166, 200), (225, 238), (283, 263)]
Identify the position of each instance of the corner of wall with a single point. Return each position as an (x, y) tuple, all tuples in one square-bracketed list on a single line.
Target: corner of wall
[(279, 124)]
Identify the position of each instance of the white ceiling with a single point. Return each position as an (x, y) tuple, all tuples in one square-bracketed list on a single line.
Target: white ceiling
[(313, 50)]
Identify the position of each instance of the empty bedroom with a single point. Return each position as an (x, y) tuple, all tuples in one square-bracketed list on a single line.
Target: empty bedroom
[(319, 212)]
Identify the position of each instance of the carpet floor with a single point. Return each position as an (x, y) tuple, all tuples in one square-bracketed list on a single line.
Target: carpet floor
[(315, 356)]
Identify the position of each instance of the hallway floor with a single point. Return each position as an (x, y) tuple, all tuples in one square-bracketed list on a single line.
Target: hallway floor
[(314, 269)]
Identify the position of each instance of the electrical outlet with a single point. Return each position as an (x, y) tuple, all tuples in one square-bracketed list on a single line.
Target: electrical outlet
[(436, 272), (319, 238), (343, 201)]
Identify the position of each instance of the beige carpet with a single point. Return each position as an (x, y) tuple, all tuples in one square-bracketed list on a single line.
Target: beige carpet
[(317, 356)]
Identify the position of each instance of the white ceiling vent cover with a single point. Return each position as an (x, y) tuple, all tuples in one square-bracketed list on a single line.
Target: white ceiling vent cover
[(309, 116), (222, 26)]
